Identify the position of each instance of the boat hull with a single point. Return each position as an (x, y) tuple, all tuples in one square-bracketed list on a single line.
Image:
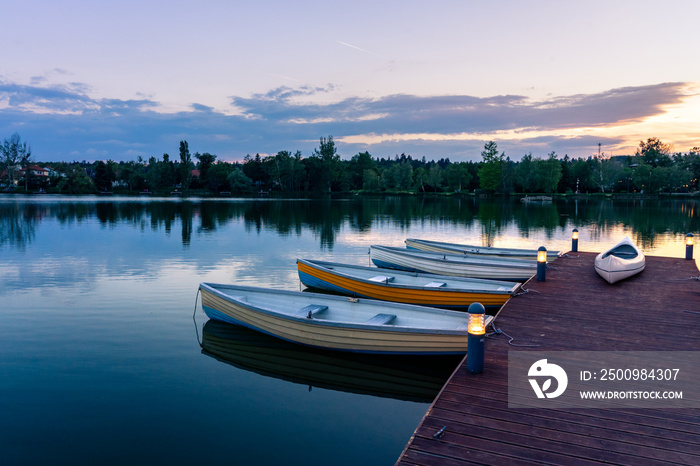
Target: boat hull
[(614, 268), (317, 332), (453, 264), (315, 275)]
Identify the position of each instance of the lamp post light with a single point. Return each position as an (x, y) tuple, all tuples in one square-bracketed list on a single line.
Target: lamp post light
[(689, 246), (574, 240), (541, 264), (476, 328)]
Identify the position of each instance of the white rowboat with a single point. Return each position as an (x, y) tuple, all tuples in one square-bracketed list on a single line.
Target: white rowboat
[(619, 262), (495, 268), (467, 249), (339, 323)]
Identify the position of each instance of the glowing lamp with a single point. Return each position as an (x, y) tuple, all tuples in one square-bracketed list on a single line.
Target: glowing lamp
[(476, 338), (477, 321), (689, 246), (541, 264), (574, 240)]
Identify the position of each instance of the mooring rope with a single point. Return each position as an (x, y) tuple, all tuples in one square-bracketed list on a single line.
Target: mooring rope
[(525, 291), (683, 279), (498, 331)]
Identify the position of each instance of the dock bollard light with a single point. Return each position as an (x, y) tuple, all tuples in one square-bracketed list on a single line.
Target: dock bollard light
[(476, 327), (689, 246), (541, 264), (574, 240)]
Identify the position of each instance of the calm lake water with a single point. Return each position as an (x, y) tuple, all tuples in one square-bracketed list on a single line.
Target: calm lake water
[(100, 355)]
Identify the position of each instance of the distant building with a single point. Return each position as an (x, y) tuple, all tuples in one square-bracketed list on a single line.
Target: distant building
[(35, 171)]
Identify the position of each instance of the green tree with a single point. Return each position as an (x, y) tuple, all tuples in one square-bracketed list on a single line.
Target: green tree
[(286, 170), (15, 153), (239, 182), (457, 176), (507, 175), (420, 177), (167, 175), (434, 179), (358, 166), (370, 180), (103, 181), (185, 165), (76, 181), (255, 169), (217, 176), (649, 179), (328, 163), (581, 174), (491, 171), (525, 174), (654, 153), (605, 172), (549, 173), (206, 160)]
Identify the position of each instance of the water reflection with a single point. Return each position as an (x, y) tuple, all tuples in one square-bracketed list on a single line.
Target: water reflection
[(648, 220), (409, 378)]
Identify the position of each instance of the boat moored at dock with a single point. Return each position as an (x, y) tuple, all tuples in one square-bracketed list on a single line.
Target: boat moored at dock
[(495, 268), (339, 323), (467, 249), (405, 287)]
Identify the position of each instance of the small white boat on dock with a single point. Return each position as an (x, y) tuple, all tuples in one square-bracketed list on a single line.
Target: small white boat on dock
[(339, 323), (619, 262), (467, 249)]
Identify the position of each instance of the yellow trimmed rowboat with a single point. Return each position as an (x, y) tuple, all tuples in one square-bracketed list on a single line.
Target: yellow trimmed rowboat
[(404, 287), (339, 323)]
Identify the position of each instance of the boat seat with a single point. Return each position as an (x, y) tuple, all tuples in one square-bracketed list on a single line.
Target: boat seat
[(435, 285), (381, 319), (382, 279), (311, 310)]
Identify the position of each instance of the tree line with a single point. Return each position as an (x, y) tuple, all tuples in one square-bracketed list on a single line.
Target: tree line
[(653, 168)]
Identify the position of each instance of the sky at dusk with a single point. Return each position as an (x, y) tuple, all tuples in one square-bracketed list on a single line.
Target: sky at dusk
[(86, 80)]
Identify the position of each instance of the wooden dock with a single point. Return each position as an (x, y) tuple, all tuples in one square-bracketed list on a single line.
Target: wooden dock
[(573, 310)]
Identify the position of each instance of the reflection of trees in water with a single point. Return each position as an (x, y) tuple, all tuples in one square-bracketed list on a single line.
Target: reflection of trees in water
[(648, 219), (325, 217), (18, 224)]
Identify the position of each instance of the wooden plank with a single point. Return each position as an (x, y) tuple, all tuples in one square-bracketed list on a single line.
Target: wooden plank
[(573, 308)]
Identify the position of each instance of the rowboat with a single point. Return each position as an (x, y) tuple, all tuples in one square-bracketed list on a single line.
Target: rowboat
[(404, 287), (619, 262), (339, 323), (456, 248), (411, 378), (495, 268)]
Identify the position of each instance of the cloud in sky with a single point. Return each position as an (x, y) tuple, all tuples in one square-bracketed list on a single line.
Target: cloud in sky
[(235, 78), (63, 123)]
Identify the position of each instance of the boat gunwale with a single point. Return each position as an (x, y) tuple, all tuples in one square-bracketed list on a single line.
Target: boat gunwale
[(505, 253)]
